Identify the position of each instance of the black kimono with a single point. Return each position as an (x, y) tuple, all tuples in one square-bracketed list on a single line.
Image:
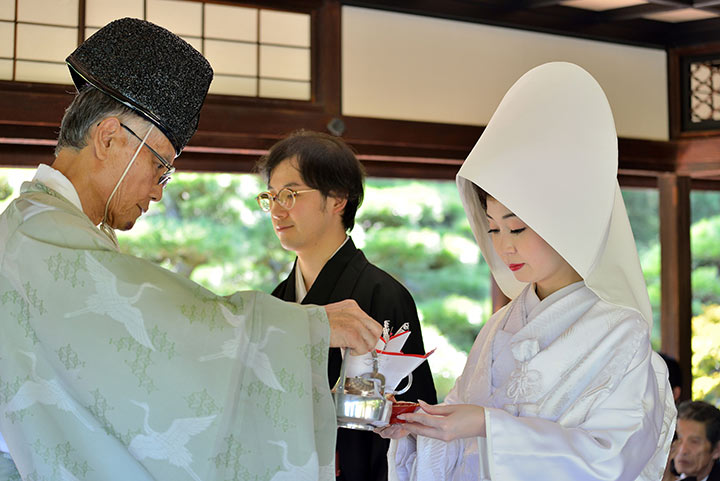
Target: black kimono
[(713, 476), (349, 275)]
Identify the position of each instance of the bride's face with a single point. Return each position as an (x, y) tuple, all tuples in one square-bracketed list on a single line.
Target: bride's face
[(526, 254)]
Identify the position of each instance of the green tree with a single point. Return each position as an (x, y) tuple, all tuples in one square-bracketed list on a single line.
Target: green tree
[(418, 232), (704, 204), (208, 228), (643, 211), (706, 355), (6, 189)]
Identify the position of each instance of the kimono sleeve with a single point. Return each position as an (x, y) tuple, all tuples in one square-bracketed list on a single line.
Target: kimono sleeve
[(615, 441)]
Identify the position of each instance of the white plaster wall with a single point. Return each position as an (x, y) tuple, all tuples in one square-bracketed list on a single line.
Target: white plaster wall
[(409, 67)]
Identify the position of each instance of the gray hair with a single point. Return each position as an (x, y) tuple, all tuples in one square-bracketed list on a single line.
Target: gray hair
[(89, 107), (704, 413)]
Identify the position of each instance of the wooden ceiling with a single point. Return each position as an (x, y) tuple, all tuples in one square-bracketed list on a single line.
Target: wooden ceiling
[(634, 24)]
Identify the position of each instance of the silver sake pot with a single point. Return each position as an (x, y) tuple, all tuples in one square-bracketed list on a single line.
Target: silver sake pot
[(360, 402)]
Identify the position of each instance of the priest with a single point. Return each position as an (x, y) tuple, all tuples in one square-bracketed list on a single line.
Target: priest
[(113, 368)]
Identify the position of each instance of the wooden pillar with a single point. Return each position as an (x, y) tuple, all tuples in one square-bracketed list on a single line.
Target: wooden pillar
[(676, 312)]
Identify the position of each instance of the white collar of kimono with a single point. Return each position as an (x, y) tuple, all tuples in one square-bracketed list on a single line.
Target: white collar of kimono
[(55, 180), (683, 476), (300, 291), (549, 154)]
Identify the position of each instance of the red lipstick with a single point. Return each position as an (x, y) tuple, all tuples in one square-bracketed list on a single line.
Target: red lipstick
[(515, 267)]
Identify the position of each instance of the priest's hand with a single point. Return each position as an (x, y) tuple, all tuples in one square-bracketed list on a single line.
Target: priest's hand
[(351, 327), (446, 422)]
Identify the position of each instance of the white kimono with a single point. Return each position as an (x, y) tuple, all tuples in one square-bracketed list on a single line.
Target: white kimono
[(569, 391), (570, 386)]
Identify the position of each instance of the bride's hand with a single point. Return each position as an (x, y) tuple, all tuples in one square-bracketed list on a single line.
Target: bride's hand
[(445, 422)]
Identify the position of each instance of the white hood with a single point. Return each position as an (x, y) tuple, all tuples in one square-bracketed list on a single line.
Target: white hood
[(549, 154)]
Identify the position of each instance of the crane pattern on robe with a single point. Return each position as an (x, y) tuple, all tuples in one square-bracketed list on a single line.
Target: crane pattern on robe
[(307, 472), (169, 446), (109, 302), (43, 391), (257, 360)]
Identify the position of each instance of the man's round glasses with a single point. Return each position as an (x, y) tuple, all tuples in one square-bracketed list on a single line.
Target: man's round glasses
[(169, 169), (285, 198)]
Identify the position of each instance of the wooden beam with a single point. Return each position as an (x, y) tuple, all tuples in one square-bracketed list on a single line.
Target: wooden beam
[(537, 3), (673, 3), (695, 33), (327, 49), (698, 157), (234, 131), (632, 12), (674, 88), (676, 293)]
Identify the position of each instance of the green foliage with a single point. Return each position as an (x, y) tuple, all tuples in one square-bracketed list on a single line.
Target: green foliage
[(642, 209), (706, 355), (705, 246), (6, 189), (706, 288), (458, 318), (704, 204), (443, 384), (705, 270), (208, 228), (706, 308), (418, 232), (705, 232), (650, 261), (642, 206)]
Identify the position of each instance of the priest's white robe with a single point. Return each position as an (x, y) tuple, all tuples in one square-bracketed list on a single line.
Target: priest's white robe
[(112, 368), (570, 391)]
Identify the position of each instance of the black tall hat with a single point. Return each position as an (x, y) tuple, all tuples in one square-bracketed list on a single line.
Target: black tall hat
[(149, 69)]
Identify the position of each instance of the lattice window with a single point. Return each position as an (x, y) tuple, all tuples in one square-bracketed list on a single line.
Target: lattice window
[(701, 93), (254, 52), (704, 91)]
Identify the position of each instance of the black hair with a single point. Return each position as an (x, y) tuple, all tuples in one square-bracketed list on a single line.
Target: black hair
[(326, 163), (482, 195), (674, 374), (705, 413)]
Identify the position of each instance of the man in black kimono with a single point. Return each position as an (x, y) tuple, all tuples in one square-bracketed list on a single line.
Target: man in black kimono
[(315, 186)]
